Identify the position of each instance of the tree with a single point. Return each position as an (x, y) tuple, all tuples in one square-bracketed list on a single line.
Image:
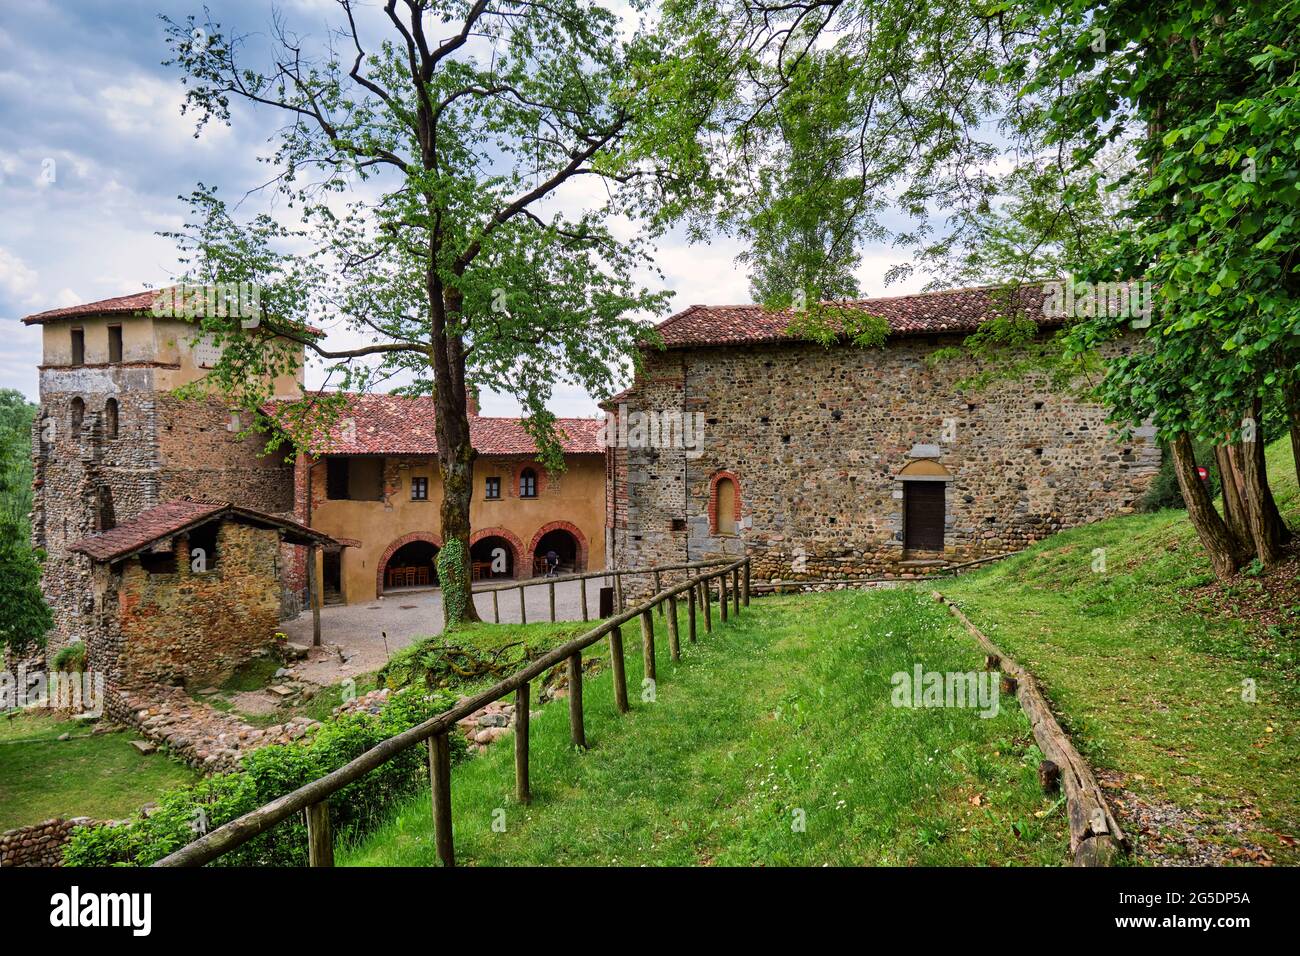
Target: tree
[(451, 255), (24, 616), (16, 416)]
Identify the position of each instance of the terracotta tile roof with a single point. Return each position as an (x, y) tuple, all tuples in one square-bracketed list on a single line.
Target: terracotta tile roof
[(178, 515), (133, 304), (406, 425), (925, 313)]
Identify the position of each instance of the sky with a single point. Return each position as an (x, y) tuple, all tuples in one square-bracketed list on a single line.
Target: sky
[(95, 155)]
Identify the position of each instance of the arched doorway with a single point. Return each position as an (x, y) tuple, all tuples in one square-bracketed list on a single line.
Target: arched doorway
[(492, 556), (566, 541), (409, 562)]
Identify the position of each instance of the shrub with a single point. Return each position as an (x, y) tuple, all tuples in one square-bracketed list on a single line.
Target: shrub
[(71, 659), (184, 812)]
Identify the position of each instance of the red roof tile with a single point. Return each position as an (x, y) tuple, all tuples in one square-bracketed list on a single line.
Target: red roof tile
[(406, 425), (925, 313), (172, 518), (133, 304)]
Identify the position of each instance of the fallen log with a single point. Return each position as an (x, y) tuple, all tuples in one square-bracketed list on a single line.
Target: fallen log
[(1095, 836)]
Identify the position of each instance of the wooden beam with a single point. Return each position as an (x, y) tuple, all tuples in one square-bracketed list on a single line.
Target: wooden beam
[(576, 731), (320, 838), (690, 614), (620, 675), (674, 647), (648, 643), (523, 701)]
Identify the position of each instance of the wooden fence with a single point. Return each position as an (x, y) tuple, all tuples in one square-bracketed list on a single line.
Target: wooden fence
[(313, 798)]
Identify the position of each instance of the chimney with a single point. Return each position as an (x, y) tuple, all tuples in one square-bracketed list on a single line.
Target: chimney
[(471, 401)]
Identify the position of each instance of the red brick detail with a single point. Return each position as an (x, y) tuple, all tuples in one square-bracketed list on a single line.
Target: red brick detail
[(510, 536), (428, 536), (713, 498), (568, 526), (518, 472)]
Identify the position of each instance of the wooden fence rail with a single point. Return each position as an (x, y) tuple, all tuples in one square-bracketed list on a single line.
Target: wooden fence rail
[(313, 797)]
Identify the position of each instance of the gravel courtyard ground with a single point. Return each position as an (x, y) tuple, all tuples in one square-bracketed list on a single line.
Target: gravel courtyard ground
[(352, 636)]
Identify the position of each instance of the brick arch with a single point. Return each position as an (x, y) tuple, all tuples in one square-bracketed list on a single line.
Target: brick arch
[(716, 477), (511, 537), (428, 536), (568, 526)]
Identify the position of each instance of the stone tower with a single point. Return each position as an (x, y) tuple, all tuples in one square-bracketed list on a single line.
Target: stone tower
[(111, 440)]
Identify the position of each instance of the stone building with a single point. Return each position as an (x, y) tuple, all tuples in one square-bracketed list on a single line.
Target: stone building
[(373, 483), (111, 441), (185, 592), (848, 462)]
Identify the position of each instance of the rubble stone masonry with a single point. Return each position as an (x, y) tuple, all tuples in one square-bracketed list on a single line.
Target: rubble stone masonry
[(816, 439)]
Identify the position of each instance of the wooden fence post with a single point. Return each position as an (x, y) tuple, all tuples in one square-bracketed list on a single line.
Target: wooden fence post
[(313, 594), (523, 701), (674, 646), (440, 785), (552, 590), (576, 731), (722, 596), (620, 676), (690, 614), (523, 614), (618, 591), (582, 586), (648, 643), (659, 587), (735, 591), (748, 561), (320, 838), (496, 608), (705, 599)]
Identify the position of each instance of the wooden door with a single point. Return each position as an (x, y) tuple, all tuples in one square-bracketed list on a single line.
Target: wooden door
[(923, 515)]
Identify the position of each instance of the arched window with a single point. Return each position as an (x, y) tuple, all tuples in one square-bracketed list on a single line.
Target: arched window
[(110, 418), (528, 483), (724, 504), (78, 415)]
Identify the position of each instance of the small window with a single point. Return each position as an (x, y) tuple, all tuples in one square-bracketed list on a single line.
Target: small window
[(115, 343), (419, 489), (679, 524), (110, 418), (78, 416), (492, 489), (336, 479), (726, 490), (528, 483), (78, 346), (203, 548), (158, 562)]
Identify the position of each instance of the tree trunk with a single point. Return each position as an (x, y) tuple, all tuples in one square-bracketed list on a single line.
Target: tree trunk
[(1234, 509), (1214, 534), (1293, 408), (455, 454), (1262, 517)]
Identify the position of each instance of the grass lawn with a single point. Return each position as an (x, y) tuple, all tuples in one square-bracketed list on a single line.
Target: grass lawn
[(102, 776), (1146, 670), (779, 719)]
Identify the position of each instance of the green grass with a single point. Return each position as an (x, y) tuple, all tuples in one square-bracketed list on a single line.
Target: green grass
[(1146, 677), (781, 715), (102, 776)]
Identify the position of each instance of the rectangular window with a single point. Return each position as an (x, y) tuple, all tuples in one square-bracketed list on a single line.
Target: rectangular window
[(115, 343), (336, 478), (493, 489), (78, 346), (419, 489)]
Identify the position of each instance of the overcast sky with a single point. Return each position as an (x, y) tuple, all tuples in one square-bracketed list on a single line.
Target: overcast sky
[(94, 154)]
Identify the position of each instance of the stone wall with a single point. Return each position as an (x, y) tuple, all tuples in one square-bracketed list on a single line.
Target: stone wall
[(40, 844), (817, 438), (188, 627)]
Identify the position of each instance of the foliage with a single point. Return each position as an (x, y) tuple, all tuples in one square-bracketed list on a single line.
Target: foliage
[(271, 772), (24, 616), (438, 663), (828, 324), (16, 417), (451, 564), (71, 658)]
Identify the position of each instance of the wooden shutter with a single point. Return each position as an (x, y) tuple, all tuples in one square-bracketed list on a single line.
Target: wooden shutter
[(923, 515)]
